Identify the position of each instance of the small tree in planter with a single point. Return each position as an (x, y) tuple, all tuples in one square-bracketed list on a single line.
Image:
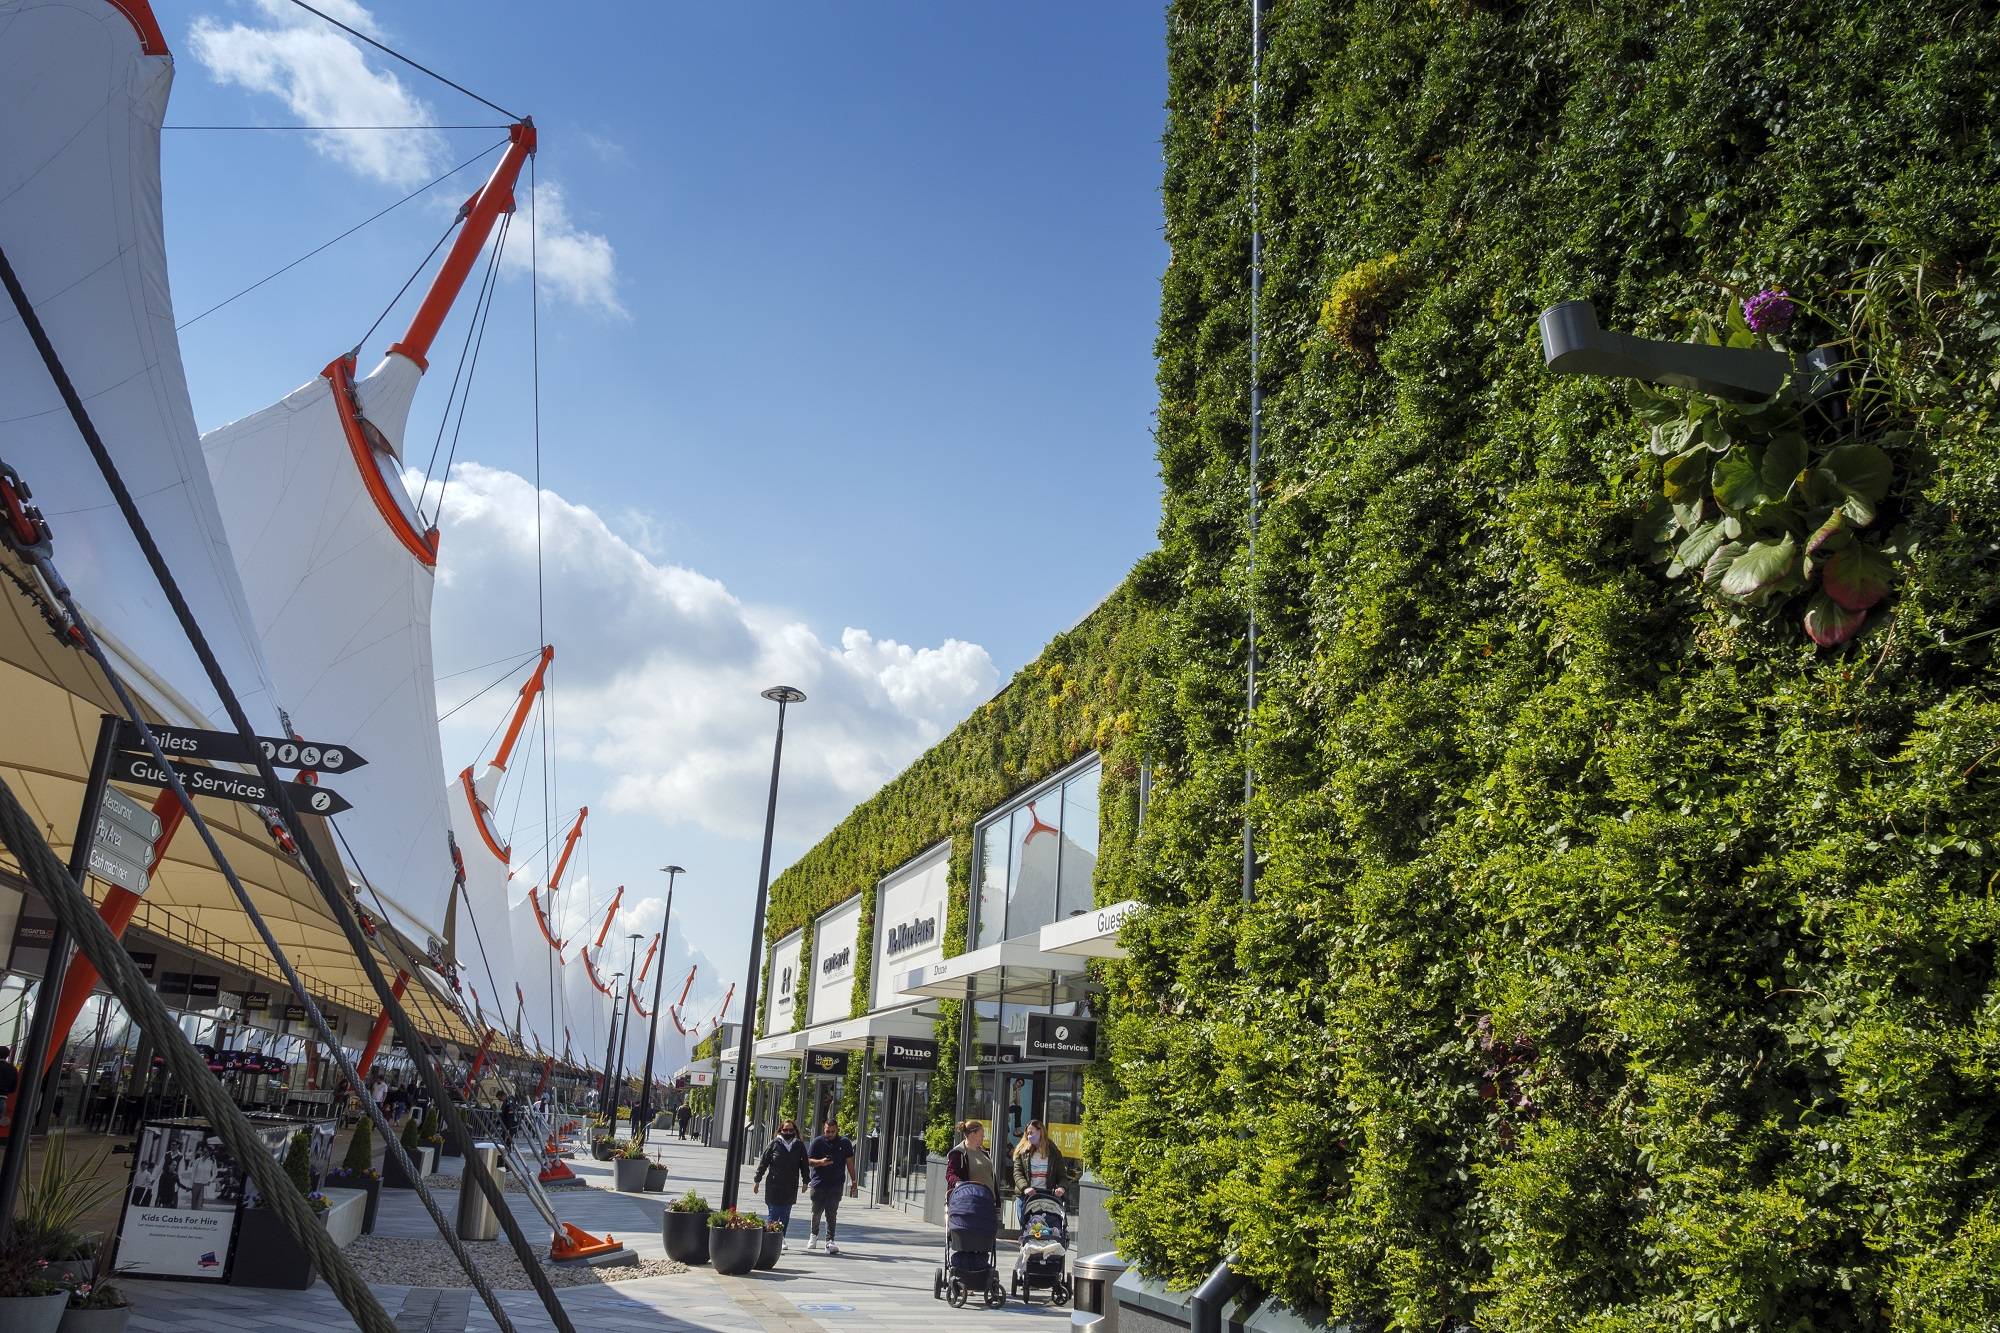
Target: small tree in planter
[(735, 1240), (684, 1228), (267, 1253), (357, 1171), (412, 1139)]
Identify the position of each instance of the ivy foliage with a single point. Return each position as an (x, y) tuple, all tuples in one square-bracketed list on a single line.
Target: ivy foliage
[(1061, 706), (1618, 961)]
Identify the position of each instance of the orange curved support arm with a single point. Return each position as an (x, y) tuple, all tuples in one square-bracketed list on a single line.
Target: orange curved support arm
[(480, 213), (647, 966), (543, 921), (686, 988), (590, 968), (529, 689), (569, 845), (611, 912)]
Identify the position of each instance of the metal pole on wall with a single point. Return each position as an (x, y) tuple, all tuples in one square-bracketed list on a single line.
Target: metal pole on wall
[(618, 1079), (49, 994), (783, 696), (644, 1113), (1256, 433)]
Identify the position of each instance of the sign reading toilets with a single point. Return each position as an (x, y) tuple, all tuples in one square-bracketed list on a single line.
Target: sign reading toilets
[(909, 922), (836, 941), (787, 963)]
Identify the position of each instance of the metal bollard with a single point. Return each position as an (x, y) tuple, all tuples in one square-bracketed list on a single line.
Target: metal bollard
[(476, 1219), (1092, 1306)]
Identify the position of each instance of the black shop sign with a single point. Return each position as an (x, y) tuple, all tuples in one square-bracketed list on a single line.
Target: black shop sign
[(256, 1001), (196, 990), (826, 1062), (909, 1053), (1061, 1037)]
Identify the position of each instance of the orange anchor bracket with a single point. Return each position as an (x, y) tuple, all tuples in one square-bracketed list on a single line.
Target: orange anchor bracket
[(556, 1170), (571, 1241)]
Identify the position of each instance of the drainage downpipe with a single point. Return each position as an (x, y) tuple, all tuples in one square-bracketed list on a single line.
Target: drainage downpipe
[(1205, 1306)]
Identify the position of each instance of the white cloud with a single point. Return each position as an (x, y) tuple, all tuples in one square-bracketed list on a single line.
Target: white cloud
[(324, 78), (577, 266), (658, 670)]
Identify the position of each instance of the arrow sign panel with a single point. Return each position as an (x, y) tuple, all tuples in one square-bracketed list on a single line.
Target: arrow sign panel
[(117, 870), (228, 784), (128, 814), (227, 747)]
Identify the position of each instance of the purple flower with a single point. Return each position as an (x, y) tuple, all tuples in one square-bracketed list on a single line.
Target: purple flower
[(1769, 311)]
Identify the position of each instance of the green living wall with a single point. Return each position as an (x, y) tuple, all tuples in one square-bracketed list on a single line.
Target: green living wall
[(1077, 696), (1620, 960)]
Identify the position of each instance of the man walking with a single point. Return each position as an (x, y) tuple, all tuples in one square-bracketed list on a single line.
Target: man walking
[(681, 1118), (825, 1156)]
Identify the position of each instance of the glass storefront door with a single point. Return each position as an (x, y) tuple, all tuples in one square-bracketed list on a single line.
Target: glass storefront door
[(906, 1104)]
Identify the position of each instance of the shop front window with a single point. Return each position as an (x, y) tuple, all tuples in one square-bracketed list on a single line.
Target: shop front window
[(1037, 859)]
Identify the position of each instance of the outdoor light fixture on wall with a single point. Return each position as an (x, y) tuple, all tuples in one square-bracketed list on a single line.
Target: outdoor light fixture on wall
[(1573, 343)]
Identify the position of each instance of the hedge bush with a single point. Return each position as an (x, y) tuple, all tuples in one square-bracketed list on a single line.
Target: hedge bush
[(1618, 962)]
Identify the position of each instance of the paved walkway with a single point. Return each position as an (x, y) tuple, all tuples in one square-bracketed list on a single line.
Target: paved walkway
[(881, 1278)]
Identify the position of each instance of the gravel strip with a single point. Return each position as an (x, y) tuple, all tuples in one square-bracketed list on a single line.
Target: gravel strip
[(429, 1263), (446, 1181)]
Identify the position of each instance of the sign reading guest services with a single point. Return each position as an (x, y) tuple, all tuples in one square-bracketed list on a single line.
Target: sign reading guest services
[(1061, 1037), (909, 922)]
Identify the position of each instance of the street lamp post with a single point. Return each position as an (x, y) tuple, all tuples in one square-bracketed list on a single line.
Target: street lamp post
[(618, 1079), (610, 1044), (783, 696), (644, 1114)]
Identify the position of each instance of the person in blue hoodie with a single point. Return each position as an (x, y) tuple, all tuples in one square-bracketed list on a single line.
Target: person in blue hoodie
[(827, 1155)]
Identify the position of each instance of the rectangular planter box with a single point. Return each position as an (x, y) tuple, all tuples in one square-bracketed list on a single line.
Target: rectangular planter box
[(424, 1159), (343, 1220), (268, 1255)]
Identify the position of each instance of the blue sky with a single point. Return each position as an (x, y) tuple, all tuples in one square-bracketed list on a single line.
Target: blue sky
[(845, 365)]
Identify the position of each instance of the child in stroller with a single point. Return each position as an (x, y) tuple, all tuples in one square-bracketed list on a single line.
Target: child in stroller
[(972, 1224), (1043, 1264)]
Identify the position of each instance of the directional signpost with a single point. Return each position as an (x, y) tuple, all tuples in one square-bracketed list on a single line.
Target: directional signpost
[(121, 846), (226, 747), (228, 784)]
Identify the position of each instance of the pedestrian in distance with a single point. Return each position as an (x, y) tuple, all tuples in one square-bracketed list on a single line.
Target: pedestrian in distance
[(826, 1155), (784, 1161), (969, 1159), (681, 1117), (1039, 1167)]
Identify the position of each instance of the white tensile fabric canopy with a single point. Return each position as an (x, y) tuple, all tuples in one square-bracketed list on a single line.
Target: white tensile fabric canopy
[(339, 579), (83, 91)]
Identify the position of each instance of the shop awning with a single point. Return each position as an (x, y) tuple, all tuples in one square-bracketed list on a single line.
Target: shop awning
[(1091, 934), (852, 1034), (783, 1046), (1014, 969)]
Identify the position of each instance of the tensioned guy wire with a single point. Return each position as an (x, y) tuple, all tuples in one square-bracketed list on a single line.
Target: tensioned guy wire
[(435, 181), (393, 52)]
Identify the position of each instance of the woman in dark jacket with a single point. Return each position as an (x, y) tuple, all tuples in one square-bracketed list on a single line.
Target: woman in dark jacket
[(785, 1162), (1039, 1168)]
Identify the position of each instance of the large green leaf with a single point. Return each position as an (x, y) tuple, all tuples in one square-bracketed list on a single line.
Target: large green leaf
[(1738, 485), (1784, 458), (1830, 535), (1862, 470), (1858, 577), (1761, 570), (1829, 623), (1719, 563), (1686, 478), (1701, 543)]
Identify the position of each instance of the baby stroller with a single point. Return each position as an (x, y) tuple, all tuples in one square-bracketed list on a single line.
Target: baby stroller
[(972, 1222), (1043, 1264)]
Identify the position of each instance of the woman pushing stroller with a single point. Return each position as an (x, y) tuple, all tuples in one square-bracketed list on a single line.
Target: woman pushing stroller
[(1039, 1169)]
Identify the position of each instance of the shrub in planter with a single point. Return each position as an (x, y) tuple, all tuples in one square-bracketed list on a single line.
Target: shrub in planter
[(604, 1147), (656, 1177), (52, 1206), (357, 1172), (774, 1245), (684, 1229), (30, 1301), (629, 1170), (735, 1240)]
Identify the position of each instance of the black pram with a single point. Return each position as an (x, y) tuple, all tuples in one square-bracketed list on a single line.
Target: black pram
[(972, 1226), (1043, 1264)]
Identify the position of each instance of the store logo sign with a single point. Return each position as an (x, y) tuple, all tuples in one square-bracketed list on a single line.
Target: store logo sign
[(909, 1053), (827, 1062), (912, 934), (1061, 1037), (834, 964)]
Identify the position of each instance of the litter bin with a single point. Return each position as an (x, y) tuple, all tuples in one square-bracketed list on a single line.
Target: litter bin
[(476, 1219), (1092, 1306)]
